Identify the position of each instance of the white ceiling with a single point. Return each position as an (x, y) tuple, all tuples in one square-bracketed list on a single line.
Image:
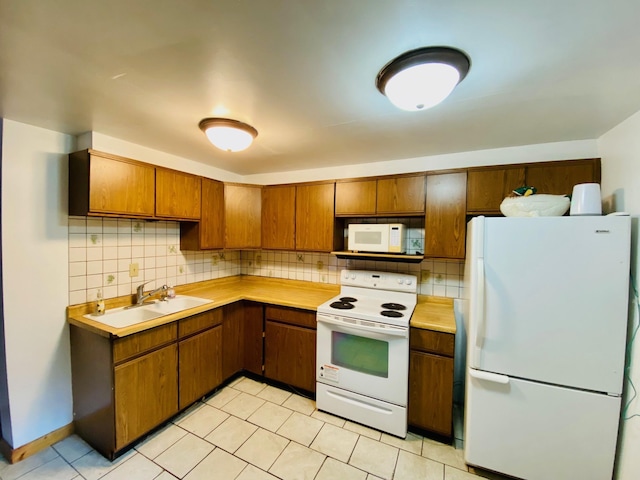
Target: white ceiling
[(302, 72)]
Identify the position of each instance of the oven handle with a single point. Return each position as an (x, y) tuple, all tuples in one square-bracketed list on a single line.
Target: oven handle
[(391, 332)]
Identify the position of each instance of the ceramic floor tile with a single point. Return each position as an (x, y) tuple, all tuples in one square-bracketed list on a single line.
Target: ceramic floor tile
[(137, 467), (270, 416), (297, 463), (236, 381), (333, 470), (222, 397), (413, 442), (231, 434), (249, 386), (225, 466), (243, 405), (373, 477), (443, 453), (328, 418), (72, 448), (300, 428), (254, 473), (56, 469), (262, 448), (13, 471), (300, 404), (165, 476), (412, 466), (452, 473), (159, 442), (183, 455), (374, 457), (362, 430), (335, 442), (274, 395), (93, 465), (203, 421)]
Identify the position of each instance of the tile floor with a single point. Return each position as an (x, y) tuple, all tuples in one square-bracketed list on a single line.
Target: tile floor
[(252, 431)]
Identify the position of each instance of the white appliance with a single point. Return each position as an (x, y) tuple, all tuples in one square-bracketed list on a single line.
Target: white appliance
[(363, 349), (376, 237), (546, 319)]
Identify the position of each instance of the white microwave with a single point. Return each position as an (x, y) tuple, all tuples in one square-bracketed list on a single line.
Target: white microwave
[(378, 238)]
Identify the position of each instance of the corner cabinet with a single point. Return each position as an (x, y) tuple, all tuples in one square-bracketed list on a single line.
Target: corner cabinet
[(242, 216), (279, 217), (431, 381), (316, 226), (208, 233), (107, 185), (445, 220)]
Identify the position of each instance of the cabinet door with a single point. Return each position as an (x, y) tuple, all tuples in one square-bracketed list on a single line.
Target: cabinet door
[(200, 365), (177, 194), (558, 178), (431, 392), (356, 198), (146, 393), (209, 232), (232, 339), (445, 225), (487, 188), (315, 221), (242, 216), (120, 187), (401, 195), (290, 355), (279, 217), (253, 337)]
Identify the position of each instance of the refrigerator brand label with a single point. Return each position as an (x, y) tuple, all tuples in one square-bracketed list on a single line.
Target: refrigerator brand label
[(603, 231)]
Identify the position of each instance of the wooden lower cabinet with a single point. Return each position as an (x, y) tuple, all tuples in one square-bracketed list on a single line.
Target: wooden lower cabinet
[(431, 381), (199, 365), (232, 339), (253, 317), (290, 347), (146, 393)]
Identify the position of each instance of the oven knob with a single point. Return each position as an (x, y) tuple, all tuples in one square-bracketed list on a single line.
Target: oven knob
[(353, 276), (400, 281), (409, 282)]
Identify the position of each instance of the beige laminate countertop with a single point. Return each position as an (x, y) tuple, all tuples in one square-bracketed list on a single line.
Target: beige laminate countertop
[(432, 313)]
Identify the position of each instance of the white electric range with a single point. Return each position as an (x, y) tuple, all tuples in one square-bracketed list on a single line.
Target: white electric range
[(362, 365)]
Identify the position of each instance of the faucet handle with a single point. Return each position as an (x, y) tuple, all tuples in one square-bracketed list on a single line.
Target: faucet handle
[(140, 288)]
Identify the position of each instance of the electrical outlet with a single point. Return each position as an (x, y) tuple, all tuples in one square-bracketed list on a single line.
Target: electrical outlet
[(133, 270), (320, 265), (424, 275), (258, 260)]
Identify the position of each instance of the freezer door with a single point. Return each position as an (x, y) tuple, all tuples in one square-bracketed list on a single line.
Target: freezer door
[(536, 431), (553, 296)]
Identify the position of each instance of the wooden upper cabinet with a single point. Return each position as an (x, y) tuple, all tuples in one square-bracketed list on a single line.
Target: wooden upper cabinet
[(487, 187), (445, 219), (401, 195), (209, 232), (315, 221), (279, 217), (558, 178), (177, 194), (103, 184), (356, 198), (242, 216)]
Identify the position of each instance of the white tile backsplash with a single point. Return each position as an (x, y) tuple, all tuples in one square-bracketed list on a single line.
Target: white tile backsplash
[(101, 250)]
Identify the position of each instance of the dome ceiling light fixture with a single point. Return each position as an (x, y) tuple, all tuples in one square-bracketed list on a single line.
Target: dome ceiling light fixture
[(422, 78), (227, 134)]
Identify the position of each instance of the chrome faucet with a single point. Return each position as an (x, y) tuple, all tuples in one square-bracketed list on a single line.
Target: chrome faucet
[(141, 296)]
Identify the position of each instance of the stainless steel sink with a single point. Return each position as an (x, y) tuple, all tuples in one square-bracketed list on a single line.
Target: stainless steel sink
[(125, 317)]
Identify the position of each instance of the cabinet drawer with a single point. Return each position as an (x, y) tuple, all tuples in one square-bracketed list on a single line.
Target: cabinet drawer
[(293, 316), (199, 322), (132, 345), (430, 341)]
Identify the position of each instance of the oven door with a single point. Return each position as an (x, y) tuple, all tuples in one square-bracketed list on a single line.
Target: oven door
[(364, 357)]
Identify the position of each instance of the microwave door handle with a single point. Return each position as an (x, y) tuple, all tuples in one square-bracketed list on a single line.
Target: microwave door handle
[(372, 331)]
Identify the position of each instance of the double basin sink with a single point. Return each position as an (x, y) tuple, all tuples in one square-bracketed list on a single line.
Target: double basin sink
[(124, 317)]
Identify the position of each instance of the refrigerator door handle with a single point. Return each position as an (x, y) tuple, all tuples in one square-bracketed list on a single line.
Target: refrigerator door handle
[(480, 317), (489, 377)]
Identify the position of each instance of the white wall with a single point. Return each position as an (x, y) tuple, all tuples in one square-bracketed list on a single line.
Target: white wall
[(35, 271), (620, 151)]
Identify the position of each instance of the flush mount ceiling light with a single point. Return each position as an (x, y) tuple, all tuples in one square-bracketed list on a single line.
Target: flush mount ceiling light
[(228, 135), (422, 78)]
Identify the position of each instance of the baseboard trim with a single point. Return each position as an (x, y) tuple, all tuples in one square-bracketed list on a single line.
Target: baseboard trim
[(14, 455)]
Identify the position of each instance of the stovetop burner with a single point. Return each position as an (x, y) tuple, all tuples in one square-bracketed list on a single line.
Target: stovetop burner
[(342, 305), (391, 313), (348, 299), (393, 306)]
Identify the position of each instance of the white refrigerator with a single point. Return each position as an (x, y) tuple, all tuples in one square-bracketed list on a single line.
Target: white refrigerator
[(545, 302)]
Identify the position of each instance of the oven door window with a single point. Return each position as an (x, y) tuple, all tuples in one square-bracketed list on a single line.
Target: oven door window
[(361, 354)]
